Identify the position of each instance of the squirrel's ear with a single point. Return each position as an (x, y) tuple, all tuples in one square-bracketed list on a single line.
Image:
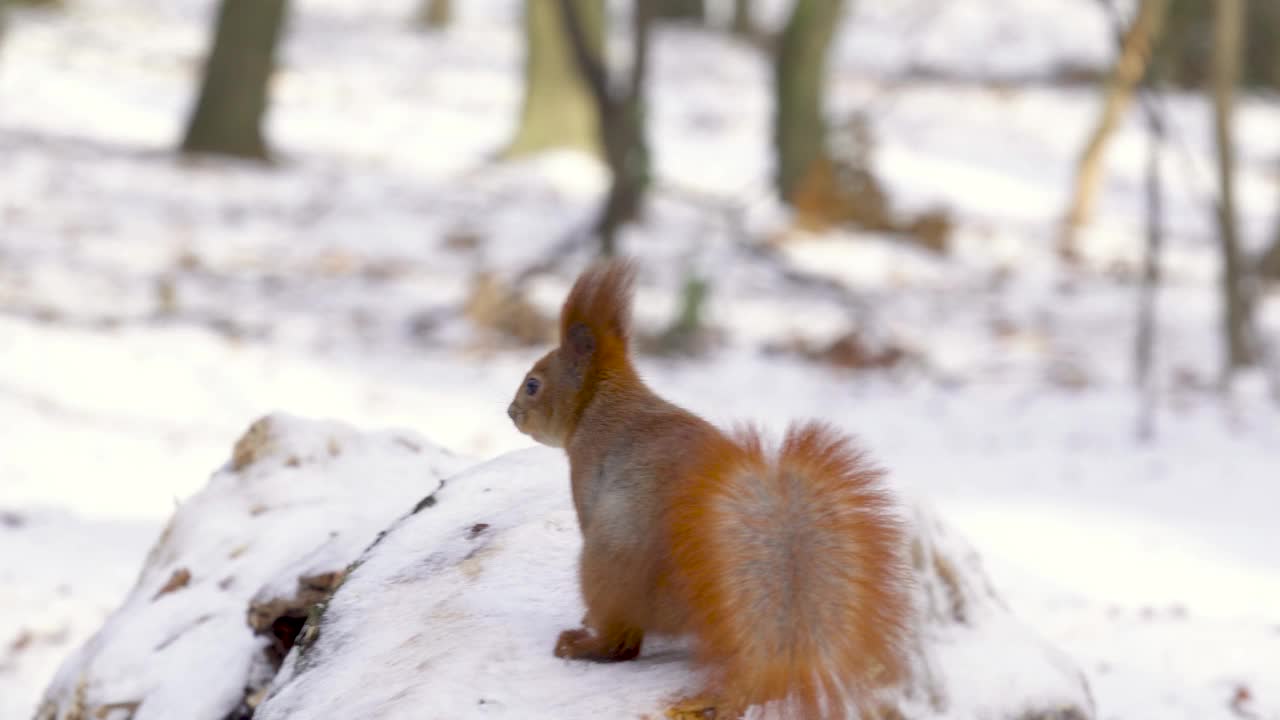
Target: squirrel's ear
[(579, 345), (579, 341)]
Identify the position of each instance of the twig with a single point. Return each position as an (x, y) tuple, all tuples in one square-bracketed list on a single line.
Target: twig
[(1144, 351), (813, 284), (554, 257), (1157, 103), (1153, 111), (641, 23)]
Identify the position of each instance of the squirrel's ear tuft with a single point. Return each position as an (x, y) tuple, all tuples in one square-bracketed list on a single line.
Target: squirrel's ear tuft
[(601, 301)]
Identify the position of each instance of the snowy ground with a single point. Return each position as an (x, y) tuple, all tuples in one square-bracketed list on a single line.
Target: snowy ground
[(151, 308)]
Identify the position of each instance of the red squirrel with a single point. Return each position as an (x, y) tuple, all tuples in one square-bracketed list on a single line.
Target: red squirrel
[(787, 568)]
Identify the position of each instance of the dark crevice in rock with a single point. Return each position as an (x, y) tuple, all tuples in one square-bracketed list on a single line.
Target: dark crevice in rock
[(285, 631), (426, 502), (282, 619)]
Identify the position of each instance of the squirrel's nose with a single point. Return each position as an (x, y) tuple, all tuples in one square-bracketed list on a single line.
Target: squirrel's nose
[(511, 412)]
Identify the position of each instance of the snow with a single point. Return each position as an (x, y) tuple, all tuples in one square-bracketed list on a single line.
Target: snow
[(151, 308), (454, 611), (308, 498)]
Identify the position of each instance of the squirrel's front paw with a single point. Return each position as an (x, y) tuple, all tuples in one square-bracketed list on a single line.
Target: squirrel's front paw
[(571, 643)]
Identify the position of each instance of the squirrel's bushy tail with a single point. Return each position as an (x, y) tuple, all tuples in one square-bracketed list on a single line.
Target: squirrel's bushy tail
[(795, 573)]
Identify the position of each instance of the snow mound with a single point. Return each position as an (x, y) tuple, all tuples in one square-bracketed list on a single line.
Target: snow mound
[(272, 531), (454, 612), (975, 659), (326, 573)]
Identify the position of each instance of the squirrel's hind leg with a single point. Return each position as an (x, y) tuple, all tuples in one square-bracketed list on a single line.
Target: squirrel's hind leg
[(612, 630), (615, 644)]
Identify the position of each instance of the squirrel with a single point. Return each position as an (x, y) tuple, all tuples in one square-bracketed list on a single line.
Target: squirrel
[(787, 568)]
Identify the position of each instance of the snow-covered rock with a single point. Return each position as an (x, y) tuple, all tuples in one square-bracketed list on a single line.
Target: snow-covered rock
[(272, 532), (426, 599), (455, 611), (975, 659)]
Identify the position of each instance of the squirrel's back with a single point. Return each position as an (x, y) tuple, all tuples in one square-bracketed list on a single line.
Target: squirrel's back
[(793, 566)]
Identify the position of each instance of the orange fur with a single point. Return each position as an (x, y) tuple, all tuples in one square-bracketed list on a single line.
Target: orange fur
[(600, 304), (787, 567), (601, 301), (796, 578)]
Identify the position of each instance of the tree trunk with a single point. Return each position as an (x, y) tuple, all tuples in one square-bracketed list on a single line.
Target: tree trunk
[(1269, 263), (1187, 56), (1227, 51), (627, 150), (626, 139), (693, 10), (744, 19), (233, 97), (558, 110), (1262, 51), (621, 111), (1128, 70), (434, 14), (799, 127)]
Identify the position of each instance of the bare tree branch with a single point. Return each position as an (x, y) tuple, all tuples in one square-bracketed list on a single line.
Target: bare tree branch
[(641, 21), (1227, 51), (1144, 350), (1133, 46), (621, 118), (589, 62), (1269, 263)]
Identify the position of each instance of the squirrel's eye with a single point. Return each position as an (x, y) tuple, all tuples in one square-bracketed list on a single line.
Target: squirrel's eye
[(531, 386)]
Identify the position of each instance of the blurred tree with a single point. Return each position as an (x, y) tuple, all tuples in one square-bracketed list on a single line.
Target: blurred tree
[(558, 109), (58, 4), (694, 10), (621, 110), (433, 14), (1130, 65), (1269, 263), (1145, 338), (1185, 55), (1228, 33), (687, 333), (233, 96), (744, 19), (800, 127)]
